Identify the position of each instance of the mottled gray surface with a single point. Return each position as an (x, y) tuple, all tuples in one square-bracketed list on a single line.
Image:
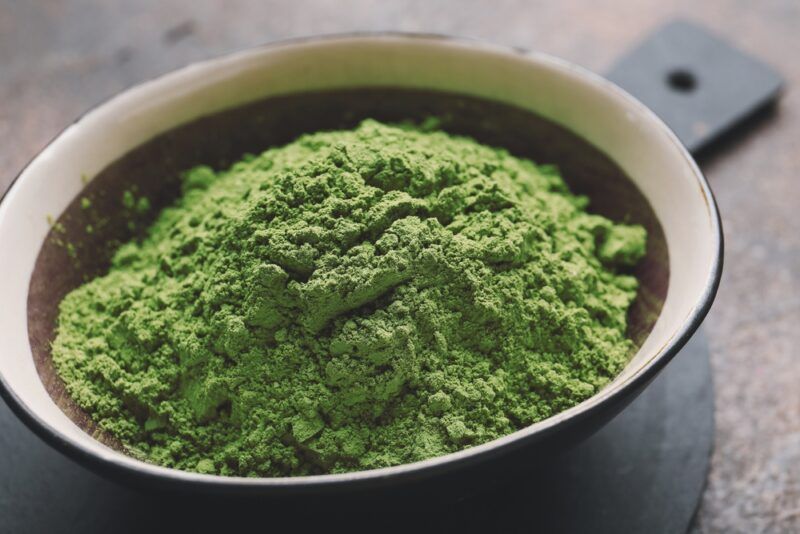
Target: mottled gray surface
[(56, 60)]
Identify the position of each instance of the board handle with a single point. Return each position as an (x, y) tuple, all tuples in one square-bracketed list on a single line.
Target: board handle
[(699, 84)]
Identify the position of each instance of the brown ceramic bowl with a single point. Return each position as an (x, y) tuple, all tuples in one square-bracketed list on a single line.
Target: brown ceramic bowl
[(608, 146)]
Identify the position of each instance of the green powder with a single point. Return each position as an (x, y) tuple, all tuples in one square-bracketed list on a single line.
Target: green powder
[(353, 300)]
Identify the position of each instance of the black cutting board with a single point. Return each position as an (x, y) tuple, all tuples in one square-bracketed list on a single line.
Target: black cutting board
[(643, 472)]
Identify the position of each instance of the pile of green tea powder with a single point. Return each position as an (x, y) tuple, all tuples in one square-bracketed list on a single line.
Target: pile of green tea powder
[(353, 300)]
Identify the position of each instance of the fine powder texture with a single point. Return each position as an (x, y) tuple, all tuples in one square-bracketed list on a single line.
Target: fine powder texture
[(353, 300)]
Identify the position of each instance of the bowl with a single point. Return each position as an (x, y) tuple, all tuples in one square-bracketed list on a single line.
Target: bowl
[(607, 144)]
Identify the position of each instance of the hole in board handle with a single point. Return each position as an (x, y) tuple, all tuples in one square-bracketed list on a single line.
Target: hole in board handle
[(682, 81)]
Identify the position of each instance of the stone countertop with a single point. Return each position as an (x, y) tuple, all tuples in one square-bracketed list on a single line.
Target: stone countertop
[(57, 59)]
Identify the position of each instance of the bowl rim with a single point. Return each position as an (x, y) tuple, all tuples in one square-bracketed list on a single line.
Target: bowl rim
[(140, 470)]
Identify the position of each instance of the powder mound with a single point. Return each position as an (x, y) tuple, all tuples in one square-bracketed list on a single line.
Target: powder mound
[(353, 300)]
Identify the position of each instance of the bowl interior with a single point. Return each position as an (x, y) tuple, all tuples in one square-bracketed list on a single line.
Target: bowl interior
[(70, 255), (212, 112)]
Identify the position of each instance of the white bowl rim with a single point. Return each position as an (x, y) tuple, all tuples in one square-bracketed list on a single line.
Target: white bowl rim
[(130, 467)]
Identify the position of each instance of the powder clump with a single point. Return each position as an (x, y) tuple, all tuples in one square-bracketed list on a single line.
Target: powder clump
[(353, 300)]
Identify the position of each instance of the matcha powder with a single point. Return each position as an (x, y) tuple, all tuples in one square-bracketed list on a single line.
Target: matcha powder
[(353, 300)]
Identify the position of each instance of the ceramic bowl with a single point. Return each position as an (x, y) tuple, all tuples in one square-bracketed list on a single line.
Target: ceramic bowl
[(607, 144)]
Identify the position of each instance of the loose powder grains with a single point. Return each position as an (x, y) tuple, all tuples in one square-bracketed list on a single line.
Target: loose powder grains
[(353, 300)]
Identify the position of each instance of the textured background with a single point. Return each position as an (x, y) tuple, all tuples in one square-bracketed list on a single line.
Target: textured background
[(57, 59)]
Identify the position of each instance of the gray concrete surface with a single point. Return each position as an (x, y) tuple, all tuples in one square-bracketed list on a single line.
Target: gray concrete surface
[(59, 58)]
